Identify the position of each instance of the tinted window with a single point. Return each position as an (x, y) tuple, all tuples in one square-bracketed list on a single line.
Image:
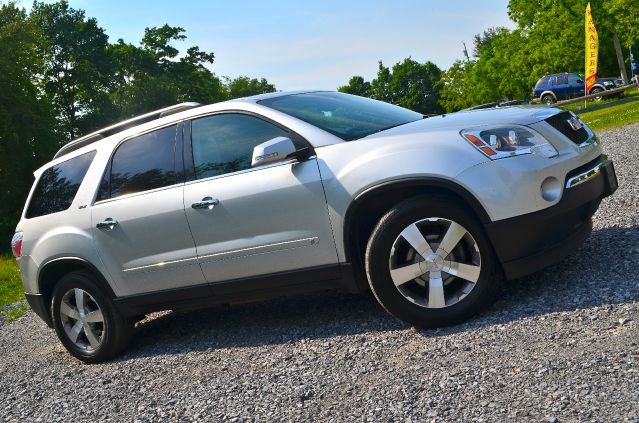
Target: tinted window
[(542, 83), (561, 80), (224, 143), (142, 163), (58, 185), (347, 116)]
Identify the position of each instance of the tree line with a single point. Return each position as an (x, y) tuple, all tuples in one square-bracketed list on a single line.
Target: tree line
[(61, 77), (504, 64)]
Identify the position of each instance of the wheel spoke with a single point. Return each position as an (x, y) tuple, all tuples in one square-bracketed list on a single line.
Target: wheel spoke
[(464, 271), (404, 274), (68, 310), (453, 235), (79, 300), (436, 291), (91, 336), (74, 332), (414, 237), (94, 317)]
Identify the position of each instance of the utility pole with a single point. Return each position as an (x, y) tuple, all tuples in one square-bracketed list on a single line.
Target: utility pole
[(620, 61), (622, 64), (466, 52)]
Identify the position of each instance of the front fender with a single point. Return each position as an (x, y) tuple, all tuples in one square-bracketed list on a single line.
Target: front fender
[(349, 169)]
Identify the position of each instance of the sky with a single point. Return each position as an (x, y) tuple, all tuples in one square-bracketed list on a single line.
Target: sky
[(307, 44)]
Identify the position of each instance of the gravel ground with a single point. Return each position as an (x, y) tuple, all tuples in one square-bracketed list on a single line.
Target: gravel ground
[(559, 346)]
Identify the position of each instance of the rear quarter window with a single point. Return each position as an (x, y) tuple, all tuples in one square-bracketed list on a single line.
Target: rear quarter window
[(58, 186), (542, 83)]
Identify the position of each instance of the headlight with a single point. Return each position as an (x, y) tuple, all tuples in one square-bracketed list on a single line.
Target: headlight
[(607, 83), (506, 141)]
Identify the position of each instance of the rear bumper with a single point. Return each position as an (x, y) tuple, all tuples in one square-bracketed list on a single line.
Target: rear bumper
[(528, 243), (39, 305)]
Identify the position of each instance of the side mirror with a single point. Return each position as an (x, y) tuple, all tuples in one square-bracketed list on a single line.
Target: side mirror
[(579, 81), (272, 151)]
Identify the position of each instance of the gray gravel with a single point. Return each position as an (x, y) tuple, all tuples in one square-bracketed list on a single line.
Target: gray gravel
[(559, 346)]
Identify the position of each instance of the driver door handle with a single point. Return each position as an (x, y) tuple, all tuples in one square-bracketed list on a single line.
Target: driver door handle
[(107, 223), (206, 203)]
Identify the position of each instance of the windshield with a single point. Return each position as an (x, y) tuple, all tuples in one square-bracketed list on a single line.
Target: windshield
[(347, 116)]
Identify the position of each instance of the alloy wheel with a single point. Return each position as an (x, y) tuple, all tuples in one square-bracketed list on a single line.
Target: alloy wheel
[(82, 319), (435, 262)]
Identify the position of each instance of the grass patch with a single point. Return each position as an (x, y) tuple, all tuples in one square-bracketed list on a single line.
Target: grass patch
[(10, 288), (14, 313), (612, 117), (632, 93)]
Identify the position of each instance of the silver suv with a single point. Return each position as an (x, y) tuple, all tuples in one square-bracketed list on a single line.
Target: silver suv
[(193, 206)]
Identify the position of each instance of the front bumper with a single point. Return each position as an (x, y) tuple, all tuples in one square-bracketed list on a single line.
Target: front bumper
[(530, 242)]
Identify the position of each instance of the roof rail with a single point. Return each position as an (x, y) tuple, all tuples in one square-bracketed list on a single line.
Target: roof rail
[(119, 127)]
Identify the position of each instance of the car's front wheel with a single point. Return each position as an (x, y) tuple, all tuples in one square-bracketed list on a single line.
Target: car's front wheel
[(86, 321), (430, 264)]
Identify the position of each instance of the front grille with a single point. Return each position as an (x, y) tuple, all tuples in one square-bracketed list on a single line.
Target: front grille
[(561, 123)]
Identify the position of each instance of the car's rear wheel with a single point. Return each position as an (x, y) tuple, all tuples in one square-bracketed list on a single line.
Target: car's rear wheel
[(430, 264), (86, 321), (548, 99)]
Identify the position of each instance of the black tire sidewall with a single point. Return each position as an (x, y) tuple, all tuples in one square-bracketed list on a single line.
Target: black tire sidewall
[(114, 326), (378, 272)]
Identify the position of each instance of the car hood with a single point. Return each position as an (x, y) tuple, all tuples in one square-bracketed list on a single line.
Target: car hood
[(519, 115)]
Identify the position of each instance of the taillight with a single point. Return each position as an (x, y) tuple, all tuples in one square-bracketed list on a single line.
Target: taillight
[(16, 244)]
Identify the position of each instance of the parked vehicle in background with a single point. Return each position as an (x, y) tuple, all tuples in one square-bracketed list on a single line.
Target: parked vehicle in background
[(283, 193), (619, 82), (562, 86), (497, 104)]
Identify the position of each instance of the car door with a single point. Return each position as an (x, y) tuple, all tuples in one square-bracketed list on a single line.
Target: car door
[(139, 226), (261, 221), (577, 87), (560, 86)]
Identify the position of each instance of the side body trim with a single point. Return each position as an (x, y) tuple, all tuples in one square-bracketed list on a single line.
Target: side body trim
[(240, 290)]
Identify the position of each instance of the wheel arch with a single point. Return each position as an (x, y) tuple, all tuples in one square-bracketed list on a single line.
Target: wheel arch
[(548, 92), (371, 204), (603, 88), (53, 270)]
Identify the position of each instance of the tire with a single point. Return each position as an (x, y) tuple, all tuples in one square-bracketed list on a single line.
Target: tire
[(548, 99), (98, 329), (597, 91), (458, 299)]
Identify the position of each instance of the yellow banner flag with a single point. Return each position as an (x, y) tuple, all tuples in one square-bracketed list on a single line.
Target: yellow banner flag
[(592, 50)]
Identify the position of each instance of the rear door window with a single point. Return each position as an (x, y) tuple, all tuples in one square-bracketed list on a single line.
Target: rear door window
[(142, 163), (58, 186)]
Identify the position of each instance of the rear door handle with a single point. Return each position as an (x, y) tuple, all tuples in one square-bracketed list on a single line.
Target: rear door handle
[(107, 224), (206, 203)]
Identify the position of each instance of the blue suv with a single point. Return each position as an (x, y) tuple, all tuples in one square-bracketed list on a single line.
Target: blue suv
[(561, 86)]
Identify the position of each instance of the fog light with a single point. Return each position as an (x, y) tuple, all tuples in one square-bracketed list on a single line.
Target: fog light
[(550, 188)]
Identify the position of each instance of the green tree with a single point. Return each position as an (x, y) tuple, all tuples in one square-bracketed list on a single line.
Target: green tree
[(415, 86), (625, 17), (27, 124), (150, 76), (77, 72), (243, 86), (409, 84), (357, 86)]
